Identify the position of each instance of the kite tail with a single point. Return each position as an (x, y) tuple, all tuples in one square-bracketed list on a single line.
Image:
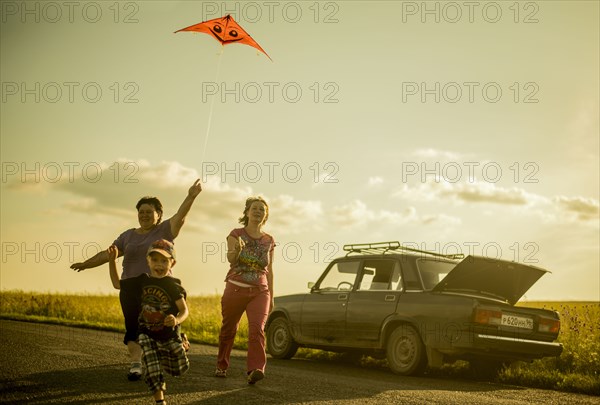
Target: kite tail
[(212, 104)]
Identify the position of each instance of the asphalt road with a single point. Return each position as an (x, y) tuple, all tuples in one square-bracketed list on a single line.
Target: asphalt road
[(47, 364)]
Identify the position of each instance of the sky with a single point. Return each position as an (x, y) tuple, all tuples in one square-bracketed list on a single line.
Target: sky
[(446, 126)]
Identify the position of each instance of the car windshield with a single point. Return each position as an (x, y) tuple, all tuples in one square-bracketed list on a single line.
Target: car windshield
[(433, 271)]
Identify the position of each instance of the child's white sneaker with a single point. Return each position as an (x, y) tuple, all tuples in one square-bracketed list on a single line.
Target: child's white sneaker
[(135, 372)]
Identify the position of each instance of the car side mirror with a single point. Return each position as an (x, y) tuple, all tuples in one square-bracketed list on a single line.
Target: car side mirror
[(311, 285)]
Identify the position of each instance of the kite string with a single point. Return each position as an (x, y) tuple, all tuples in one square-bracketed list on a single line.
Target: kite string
[(212, 104)]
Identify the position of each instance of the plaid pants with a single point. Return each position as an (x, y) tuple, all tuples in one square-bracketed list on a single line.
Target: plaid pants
[(168, 356)]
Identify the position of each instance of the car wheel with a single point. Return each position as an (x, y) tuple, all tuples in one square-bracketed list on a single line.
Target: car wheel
[(280, 343), (405, 351)]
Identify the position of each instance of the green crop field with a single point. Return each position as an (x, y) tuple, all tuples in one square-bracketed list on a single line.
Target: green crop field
[(576, 370)]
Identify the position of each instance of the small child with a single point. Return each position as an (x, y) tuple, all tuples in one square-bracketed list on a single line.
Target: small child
[(162, 310)]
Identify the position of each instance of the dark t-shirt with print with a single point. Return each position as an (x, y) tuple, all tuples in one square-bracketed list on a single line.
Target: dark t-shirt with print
[(158, 297)]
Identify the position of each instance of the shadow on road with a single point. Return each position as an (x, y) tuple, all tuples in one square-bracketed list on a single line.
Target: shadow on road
[(100, 384), (81, 368)]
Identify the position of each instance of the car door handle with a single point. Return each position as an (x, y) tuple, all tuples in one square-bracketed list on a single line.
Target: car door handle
[(390, 298), (342, 297)]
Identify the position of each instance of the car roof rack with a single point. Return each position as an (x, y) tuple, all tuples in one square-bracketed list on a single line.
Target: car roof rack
[(393, 247)]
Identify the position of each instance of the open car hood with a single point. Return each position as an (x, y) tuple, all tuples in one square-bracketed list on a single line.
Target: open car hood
[(491, 277)]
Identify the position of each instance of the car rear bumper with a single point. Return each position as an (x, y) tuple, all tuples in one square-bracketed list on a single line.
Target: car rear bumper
[(529, 347), (501, 347)]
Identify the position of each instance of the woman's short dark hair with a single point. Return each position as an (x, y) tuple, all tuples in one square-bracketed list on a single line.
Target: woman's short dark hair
[(244, 219), (153, 201)]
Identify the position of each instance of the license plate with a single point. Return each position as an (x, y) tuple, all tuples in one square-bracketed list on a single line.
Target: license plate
[(517, 321)]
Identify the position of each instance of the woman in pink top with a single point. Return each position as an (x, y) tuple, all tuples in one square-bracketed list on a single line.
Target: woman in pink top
[(133, 245), (249, 288)]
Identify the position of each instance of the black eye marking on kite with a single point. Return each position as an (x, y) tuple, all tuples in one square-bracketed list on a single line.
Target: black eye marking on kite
[(217, 29), (233, 33)]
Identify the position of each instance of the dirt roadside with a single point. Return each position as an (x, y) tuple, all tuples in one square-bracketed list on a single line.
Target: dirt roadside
[(48, 364)]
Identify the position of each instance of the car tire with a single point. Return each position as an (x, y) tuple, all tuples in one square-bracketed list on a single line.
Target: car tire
[(280, 343), (405, 352)]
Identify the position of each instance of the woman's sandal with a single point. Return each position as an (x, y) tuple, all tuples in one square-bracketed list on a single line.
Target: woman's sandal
[(220, 373)]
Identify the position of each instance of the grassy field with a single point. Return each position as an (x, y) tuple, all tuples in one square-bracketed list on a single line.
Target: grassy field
[(576, 370)]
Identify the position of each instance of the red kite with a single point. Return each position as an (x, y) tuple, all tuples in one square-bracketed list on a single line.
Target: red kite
[(225, 30)]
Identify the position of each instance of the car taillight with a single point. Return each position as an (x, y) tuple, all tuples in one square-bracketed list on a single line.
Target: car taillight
[(487, 317), (549, 325)]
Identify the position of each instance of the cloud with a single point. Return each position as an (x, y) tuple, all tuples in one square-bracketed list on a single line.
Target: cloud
[(485, 192), (90, 206), (325, 178), (123, 183), (115, 193), (440, 219), (474, 192), (583, 208), (114, 189), (352, 214), (375, 181), (556, 209), (35, 187), (436, 183), (288, 215), (357, 214), (431, 153), (166, 174)]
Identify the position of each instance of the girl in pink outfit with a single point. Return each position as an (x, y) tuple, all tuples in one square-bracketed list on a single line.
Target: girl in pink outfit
[(249, 288)]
